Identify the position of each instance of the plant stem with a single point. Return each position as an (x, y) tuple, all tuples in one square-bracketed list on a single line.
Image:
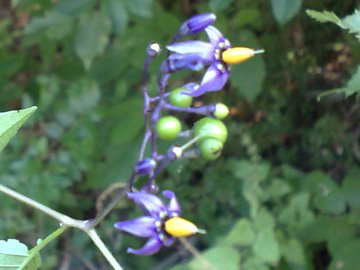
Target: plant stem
[(64, 219), (33, 252), (104, 250), (66, 222)]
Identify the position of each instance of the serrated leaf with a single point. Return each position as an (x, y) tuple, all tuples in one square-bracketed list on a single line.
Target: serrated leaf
[(324, 16), (12, 255), (352, 22), (92, 35), (266, 247), (10, 123), (285, 10)]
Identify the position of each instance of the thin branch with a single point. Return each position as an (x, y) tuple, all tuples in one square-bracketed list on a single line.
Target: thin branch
[(104, 250)]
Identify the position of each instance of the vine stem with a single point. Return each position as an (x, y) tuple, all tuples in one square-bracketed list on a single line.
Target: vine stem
[(104, 250), (85, 225)]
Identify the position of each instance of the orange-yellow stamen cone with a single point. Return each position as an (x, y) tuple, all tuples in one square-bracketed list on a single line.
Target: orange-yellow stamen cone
[(238, 54), (179, 227)]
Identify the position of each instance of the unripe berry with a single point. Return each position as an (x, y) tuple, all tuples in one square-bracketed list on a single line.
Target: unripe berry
[(210, 148), (168, 127), (221, 111), (210, 128), (180, 100)]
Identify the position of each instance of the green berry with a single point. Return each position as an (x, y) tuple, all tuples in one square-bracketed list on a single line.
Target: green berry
[(210, 128), (168, 127), (221, 111), (210, 148), (180, 100)]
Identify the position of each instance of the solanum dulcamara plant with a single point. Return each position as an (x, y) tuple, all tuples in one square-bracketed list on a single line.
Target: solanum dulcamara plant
[(162, 220)]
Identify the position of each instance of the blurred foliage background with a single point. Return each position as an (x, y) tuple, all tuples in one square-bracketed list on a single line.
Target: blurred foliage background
[(284, 195)]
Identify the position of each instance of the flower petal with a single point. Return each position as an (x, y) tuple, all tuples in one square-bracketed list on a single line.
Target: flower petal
[(149, 203), (141, 227), (214, 80), (152, 246), (214, 34), (182, 61), (203, 49), (196, 24), (173, 206)]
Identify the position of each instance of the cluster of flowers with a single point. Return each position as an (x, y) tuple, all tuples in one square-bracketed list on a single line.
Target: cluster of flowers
[(162, 223)]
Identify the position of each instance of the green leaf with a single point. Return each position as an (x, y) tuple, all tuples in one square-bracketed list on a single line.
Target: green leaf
[(297, 213), (13, 253), (352, 86), (325, 16), (248, 77), (118, 14), (10, 122), (346, 256), (329, 228), (350, 188), (92, 35), (278, 188), (74, 8), (130, 121), (54, 25), (266, 247), (141, 8), (246, 170), (350, 23), (293, 252), (220, 257), (242, 233), (285, 10), (263, 220), (218, 5), (325, 192)]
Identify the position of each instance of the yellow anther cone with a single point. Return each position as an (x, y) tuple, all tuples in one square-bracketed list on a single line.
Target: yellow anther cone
[(238, 54), (179, 227)]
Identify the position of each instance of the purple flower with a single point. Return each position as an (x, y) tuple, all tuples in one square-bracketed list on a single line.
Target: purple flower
[(196, 24), (161, 223), (195, 55)]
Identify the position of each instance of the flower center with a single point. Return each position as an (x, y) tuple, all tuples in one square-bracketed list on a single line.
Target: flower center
[(180, 227), (238, 54)]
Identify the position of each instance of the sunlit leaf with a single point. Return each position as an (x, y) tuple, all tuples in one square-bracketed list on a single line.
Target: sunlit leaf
[(266, 247), (10, 122), (12, 255)]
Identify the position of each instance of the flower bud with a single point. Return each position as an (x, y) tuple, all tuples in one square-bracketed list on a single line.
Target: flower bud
[(153, 49), (145, 166), (196, 24)]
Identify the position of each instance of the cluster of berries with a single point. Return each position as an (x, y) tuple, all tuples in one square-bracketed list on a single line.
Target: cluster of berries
[(162, 223)]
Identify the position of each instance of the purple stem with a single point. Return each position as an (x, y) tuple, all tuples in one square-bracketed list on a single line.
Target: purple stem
[(204, 110)]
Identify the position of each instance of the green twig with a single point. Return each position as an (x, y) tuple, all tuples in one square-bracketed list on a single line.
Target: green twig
[(33, 252)]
